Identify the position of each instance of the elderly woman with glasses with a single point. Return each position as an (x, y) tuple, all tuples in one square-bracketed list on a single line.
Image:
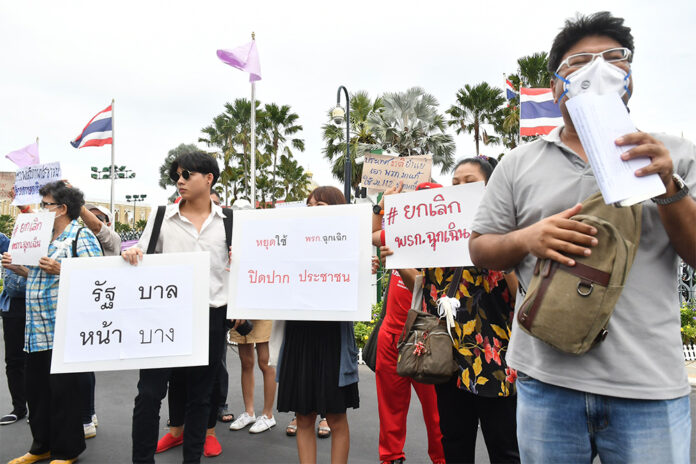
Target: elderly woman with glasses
[(54, 408)]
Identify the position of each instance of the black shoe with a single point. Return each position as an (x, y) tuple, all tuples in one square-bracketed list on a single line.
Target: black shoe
[(11, 418)]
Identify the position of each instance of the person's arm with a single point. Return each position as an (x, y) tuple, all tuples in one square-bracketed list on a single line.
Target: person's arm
[(91, 220), (548, 238), (678, 218), (16, 268), (377, 218), (134, 254)]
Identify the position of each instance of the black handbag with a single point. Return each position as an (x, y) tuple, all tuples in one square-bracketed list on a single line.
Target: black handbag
[(369, 352)]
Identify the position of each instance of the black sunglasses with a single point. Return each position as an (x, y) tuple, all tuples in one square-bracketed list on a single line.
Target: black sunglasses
[(185, 173), (45, 204)]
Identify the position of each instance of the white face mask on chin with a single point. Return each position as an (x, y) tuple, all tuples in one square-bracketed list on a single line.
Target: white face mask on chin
[(598, 77)]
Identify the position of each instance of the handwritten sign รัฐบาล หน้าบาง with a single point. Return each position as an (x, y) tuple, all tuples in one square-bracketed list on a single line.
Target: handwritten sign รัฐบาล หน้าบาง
[(114, 316), (301, 264), (381, 172), (431, 228)]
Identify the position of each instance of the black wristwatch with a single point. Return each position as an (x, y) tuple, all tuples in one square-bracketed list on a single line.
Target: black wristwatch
[(682, 190), (377, 209)]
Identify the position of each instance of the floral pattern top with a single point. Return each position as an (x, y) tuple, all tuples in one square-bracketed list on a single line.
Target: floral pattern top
[(482, 330)]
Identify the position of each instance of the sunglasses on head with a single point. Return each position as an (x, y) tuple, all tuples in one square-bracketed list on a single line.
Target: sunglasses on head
[(185, 173)]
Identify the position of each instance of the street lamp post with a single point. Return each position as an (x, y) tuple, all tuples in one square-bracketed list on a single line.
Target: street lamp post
[(338, 115), (135, 199), (120, 172)]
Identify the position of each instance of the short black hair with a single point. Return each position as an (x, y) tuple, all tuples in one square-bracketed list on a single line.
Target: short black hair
[(197, 161), (600, 23), (71, 197), (485, 164)]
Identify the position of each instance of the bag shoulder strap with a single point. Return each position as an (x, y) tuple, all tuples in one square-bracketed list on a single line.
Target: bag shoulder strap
[(385, 296), (454, 283), (228, 225), (74, 242), (159, 218), (416, 307)]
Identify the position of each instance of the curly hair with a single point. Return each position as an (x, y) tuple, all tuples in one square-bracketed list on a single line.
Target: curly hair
[(71, 197)]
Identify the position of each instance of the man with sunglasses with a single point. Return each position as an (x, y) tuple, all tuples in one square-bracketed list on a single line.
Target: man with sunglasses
[(193, 224), (627, 399)]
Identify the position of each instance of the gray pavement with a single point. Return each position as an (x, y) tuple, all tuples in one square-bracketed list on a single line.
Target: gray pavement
[(114, 403)]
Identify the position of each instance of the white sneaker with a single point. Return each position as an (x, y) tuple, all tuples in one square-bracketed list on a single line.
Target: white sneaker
[(95, 421), (262, 424), (90, 430), (242, 421)]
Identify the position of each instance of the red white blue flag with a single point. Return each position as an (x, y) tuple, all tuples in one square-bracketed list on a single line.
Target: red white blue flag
[(539, 115), (97, 132), (510, 91)]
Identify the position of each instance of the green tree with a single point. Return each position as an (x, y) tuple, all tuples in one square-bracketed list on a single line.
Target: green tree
[(475, 106), (280, 125), (294, 181), (532, 70), (121, 227), (409, 124), (6, 224), (140, 224), (361, 135)]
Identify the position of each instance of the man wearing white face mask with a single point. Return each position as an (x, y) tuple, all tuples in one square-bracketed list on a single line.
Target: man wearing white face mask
[(627, 399)]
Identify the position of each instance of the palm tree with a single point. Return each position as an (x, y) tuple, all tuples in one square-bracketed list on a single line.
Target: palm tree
[(409, 124), (475, 106), (361, 106), (231, 131), (281, 123), (294, 183), (532, 70)]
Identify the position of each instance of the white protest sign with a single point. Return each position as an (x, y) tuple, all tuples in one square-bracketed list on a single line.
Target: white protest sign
[(381, 172), (114, 316), (30, 179), (301, 264), (431, 228), (30, 237)]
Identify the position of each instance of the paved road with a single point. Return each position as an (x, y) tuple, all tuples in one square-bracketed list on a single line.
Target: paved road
[(116, 390), (114, 403)]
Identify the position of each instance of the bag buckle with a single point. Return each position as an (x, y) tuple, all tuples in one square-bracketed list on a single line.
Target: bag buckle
[(585, 287)]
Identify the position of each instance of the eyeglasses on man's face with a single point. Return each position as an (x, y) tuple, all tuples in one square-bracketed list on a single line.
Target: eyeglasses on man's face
[(185, 173), (613, 55)]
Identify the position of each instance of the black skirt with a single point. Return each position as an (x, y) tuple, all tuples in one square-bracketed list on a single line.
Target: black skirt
[(309, 370)]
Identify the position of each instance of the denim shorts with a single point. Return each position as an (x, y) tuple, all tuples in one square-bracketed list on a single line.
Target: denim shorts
[(559, 425)]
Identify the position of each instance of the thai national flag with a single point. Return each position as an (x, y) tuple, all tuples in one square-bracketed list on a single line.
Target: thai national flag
[(97, 132), (539, 115), (510, 91)]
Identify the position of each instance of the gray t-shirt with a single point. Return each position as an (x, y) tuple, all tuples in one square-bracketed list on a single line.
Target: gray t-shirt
[(642, 355)]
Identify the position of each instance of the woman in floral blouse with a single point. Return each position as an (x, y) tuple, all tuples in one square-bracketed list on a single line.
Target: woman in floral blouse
[(483, 391)]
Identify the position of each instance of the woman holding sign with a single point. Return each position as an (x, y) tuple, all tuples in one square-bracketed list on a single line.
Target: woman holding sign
[(318, 370), (54, 408)]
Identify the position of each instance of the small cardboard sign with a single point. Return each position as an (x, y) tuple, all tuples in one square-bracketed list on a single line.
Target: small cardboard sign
[(381, 172)]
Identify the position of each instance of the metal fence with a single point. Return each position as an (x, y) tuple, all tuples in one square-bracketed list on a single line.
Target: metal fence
[(686, 286)]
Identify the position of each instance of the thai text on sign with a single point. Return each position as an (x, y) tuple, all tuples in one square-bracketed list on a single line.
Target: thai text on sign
[(30, 179), (431, 228), (381, 172), (114, 316), (31, 235), (301, 264)]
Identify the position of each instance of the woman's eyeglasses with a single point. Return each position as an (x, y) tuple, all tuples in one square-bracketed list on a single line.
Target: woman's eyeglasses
[(45, 204), (185, 173)]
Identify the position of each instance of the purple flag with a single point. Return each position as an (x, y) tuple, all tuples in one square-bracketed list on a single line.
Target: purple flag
[(245, 58), (25, 156)]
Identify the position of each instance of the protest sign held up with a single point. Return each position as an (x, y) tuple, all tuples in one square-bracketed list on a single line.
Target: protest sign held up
[(431, 228), (381, 172), (7, 180), (114, 316), (301, 264), (30, 238), (31, 178)]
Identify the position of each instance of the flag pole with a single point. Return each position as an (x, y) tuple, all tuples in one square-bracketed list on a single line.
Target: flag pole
[(253, 138), (113, 120)]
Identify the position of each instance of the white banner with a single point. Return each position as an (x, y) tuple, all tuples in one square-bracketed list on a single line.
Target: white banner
[(301, 264), (431, 228), (114, 316), (30, 179), (31, 236)]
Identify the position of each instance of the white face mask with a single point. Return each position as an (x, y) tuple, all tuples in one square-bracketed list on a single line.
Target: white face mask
[(598, 77)]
